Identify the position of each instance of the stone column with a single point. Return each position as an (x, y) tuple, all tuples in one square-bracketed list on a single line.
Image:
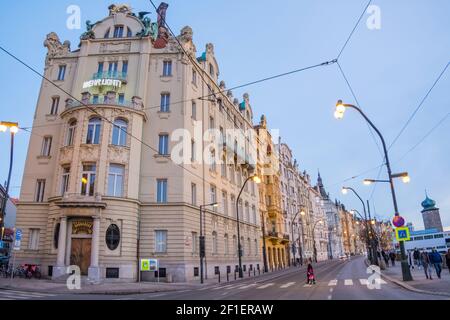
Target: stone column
[(94, 270), (60, 268)]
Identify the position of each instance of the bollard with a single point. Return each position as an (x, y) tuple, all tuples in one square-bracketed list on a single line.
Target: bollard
[(249, 273), (235, 275), (219, 277), (228, 278), (254, 272)]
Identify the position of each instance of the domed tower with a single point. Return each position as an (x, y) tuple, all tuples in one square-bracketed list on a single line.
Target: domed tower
[(430, 214)]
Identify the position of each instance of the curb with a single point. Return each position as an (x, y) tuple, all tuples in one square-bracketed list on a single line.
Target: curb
[(411, 288)]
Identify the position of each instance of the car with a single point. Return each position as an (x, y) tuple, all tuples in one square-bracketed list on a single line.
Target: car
[(342, 257)]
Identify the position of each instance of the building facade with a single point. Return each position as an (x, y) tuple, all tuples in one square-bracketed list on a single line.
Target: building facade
[(430, 214), (104, 185)]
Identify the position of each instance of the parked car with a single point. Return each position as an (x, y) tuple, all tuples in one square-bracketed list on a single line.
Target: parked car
[(343, 257)]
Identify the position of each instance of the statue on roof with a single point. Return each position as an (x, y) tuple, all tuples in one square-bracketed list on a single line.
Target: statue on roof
[(89, 34), (55, 47)]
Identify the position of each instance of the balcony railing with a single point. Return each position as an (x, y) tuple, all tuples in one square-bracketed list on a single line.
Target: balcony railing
[(135, 104), (116, 75)]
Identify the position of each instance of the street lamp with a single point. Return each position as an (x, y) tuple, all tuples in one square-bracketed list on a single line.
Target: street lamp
[(202, 244), (13, 128), (256, 180), (404, 176), (302, 213), (339, 114), (369, 255)]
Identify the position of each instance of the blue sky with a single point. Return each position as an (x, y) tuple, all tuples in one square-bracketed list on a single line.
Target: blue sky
[(390, 69)]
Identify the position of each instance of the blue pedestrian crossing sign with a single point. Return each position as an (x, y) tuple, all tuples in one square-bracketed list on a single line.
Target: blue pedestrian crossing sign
[(18, 234), (402, 234)]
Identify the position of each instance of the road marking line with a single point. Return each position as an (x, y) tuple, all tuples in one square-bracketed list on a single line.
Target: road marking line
[(247, 286), (348, 282), (380, 281), (330, 297), (266, 286), (287, 285), (223, 287), (363, 282), (332, 283), (203, 289), (27, 293), (235, 287)]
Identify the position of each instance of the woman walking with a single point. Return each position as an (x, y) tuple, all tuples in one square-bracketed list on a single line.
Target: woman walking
[(310, 278)]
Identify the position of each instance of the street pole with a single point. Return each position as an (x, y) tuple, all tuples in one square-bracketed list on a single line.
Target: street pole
[(8, 182), (241, 274), (374, 240), (202, 246), (406, 272)]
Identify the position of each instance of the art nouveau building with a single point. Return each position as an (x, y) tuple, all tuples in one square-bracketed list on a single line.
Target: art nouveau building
[(275, 239), (115, 170)]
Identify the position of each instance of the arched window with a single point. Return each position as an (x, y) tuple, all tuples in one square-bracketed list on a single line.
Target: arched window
[(227, 245), (112, 237), (214, 242), (119, 136), (94, 128), (71, 132)]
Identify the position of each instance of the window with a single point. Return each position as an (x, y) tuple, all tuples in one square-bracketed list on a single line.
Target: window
[(112, 68), (88, 180), (93, 134), (213, 192), (112, 237), (211, 122), (227, 245), (214, 242), (241, 210), (194, 77), (100, 69), (115, 180), (121, 99), (56, 235), (161, 196), (192, 151), (233, 204), (71, 133), (107, 33), (249, 245), (129, 33), (164, 144), (118, 31), (40, 190), (124, 68), (46, 146), (95, 99), (160, 241), (33, 243), (194, 243), (232, 176), (62, 72), (224, 203), (256, 247), (213, 161), (193, 194), (119, 136), (211, 70), (235, 247), (224, 167), (247, 212), (167, 68), (254, 214), (165, 102), (55, 104), (194, 111), (65, 180)]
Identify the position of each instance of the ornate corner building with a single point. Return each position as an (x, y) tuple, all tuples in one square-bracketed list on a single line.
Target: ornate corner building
[(100, 189)]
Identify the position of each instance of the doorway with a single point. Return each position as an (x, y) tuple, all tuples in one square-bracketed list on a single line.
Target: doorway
[(80, 254)]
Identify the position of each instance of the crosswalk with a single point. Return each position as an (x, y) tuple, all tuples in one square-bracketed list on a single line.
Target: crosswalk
[(331, 283), (22, 295)]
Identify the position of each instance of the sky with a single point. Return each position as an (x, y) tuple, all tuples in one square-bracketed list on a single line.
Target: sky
[(390, 70)]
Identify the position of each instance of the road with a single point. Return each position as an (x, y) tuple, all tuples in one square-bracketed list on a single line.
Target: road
[(336, 280)]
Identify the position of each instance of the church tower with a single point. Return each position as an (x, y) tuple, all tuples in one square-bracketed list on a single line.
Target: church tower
[(430, 214)]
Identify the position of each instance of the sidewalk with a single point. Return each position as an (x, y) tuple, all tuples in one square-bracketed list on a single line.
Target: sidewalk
[(420, 283), (124, 288)]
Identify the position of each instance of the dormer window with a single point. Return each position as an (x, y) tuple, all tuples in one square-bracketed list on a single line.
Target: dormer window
[(118, 31)]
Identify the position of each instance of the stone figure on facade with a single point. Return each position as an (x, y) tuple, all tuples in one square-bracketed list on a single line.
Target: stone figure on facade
[(119, 8), (150, 28), (89, 34), (55, 47)]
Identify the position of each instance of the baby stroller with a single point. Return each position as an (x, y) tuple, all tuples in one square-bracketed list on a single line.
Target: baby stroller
[(310, 278)]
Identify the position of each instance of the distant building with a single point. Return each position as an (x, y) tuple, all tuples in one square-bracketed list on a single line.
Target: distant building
[(430, 214), (426, 240)]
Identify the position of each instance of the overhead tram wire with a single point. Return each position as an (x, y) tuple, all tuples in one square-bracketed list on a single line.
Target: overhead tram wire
[(419, 106)]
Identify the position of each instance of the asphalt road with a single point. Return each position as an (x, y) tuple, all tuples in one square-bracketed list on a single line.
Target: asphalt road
[(336, 280)]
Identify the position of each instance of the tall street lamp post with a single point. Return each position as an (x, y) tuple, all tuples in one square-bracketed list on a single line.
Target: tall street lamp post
[(371, 255), (257, 180), (302, 213), (367, 233), (202, 243), (13, 128), (263, 226), (314, 238), (339, 114)]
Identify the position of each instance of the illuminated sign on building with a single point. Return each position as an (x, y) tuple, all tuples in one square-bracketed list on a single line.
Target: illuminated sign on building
[(102, 82)]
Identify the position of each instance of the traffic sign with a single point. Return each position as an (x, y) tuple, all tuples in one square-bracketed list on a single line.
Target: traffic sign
[(18, 234), (402, 234), (145, 265), (398, 221), (149, 265)]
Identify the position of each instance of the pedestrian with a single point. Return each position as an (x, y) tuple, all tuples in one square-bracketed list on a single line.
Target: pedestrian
[(385, 257), (410, 254), (436, 261), (447, 259), (416, 257), (310, 278), (426, 265), (392, 255)]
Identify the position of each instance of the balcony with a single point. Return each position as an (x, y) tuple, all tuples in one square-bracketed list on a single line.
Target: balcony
[(72, 200), (115, 75), (135, 103)]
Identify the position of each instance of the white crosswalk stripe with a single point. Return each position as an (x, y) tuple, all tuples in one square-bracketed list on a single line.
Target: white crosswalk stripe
[(348, 282), (266, 286), (363, 282), (287, 285), (223, 287), (381, 281), (332, 283), (22, 295), (248, 286)]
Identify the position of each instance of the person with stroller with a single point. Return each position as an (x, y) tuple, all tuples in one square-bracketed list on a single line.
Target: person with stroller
[(310, 278)]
